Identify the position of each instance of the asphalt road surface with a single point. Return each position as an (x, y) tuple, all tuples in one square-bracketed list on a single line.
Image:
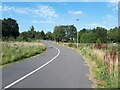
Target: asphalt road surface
[(57, 67)]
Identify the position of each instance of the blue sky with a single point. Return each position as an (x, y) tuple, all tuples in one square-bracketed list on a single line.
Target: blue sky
[(46, 15)]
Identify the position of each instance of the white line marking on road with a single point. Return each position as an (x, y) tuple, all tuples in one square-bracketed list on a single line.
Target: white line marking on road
[(27, 75)]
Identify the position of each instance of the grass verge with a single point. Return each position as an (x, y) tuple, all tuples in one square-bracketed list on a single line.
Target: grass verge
[(16, 51), (99, 71), (95, 61)]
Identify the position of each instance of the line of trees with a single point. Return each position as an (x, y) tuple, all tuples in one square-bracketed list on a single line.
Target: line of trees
[(99, 34), (65, 33), (10, 31), (31, 35)]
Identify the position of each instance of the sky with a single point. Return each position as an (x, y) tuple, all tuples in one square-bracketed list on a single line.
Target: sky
[(46, 15), (60, 0)]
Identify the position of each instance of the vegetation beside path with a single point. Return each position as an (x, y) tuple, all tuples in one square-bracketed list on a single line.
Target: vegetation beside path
[(16, 51), (102, 61), (99, 46)]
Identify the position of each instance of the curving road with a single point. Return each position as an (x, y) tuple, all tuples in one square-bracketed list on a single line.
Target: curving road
[(57, 67)]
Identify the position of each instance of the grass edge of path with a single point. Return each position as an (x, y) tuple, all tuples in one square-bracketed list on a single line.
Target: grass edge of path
[(90, 75), (97, 73), (43, 49)]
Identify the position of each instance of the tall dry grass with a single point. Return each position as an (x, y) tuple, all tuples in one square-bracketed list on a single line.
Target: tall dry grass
[(103, 60), (15, 51), (106, 61)]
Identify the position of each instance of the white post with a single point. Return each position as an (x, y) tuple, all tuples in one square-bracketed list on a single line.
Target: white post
[(77, 39), (77, 35)]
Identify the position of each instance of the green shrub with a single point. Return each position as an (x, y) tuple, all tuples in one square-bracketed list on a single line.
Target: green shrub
[(70, 44)]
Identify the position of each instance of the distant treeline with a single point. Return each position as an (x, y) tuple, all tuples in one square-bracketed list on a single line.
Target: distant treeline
[(99, 35), (65, 33), (10, 31)]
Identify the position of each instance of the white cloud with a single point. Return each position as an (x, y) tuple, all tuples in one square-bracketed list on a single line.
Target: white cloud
[(113, 5), (113, 1), (75, 12), (42, 10), (23, 10), (6, 8), (19, 10), (45, 11), (109, 21)]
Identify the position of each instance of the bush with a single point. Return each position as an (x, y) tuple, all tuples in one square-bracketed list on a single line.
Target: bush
[(72, 45)]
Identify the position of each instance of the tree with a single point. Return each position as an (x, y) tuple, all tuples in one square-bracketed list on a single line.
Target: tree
[(29, 35), (80, 34), (119, 34), (0, 29), (23, 36), (71, 32), (65, 33), (88, 37), (43, 35), (113, 35), (101, 33), (49, 36), (59, 33), (31, 32), (38, 35), (10, 28)]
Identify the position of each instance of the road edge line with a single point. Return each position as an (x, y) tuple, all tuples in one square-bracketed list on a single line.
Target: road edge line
[(32, 72)]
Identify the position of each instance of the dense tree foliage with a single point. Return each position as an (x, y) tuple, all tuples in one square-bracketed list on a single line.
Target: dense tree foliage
[(10, 28), (49, 36), (42, 35), (88, 37), (0, 29), (80, 33), (71, 33), (31, 34), (66, 33), (59, 33), (99, 34), (113, 35)]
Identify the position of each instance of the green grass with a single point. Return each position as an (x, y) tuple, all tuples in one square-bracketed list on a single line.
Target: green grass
[(101, 77), (15, 51)]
